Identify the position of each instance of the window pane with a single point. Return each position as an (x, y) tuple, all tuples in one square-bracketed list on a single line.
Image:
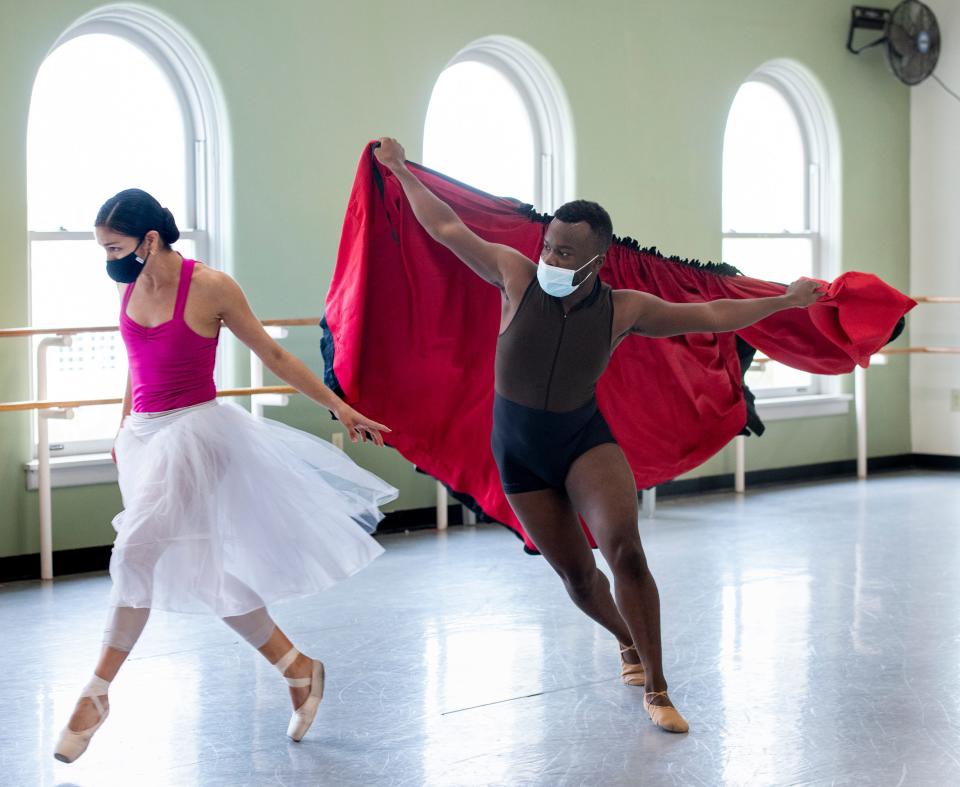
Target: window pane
[(782, 378), (773, 259), (478, 130), (764, 164), (103, 117), (69, 287)]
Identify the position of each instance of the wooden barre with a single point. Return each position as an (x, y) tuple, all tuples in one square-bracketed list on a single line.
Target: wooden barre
[(70, 404), (763, 361), (9, 407), (7, 333), (928, 350)]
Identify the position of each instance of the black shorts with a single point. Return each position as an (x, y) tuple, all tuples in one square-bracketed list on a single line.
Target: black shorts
[(534, 449)]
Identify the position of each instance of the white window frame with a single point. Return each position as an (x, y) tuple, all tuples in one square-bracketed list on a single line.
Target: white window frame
[(209, 174), (820, 137), (542, 93)]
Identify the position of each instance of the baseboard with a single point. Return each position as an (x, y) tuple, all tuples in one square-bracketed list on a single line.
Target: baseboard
[(418, 519), (65, 561), (76, 561), (936, 462), (780, 475)]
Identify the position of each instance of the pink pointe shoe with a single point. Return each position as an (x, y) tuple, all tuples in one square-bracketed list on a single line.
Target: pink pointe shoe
[(303, 716), (72, 743)]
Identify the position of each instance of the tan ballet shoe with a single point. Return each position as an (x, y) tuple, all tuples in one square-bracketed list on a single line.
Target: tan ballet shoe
[(632, 674), (664, 716)]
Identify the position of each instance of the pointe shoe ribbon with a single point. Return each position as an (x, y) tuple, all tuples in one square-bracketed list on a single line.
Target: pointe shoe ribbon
[(632, 674), (303, 717), (664, 716), (72, 743)]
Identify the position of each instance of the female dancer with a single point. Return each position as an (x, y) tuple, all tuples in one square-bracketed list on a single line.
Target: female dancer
[(222, 513)]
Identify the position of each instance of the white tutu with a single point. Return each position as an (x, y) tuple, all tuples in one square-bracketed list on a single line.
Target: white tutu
[(224, 513)]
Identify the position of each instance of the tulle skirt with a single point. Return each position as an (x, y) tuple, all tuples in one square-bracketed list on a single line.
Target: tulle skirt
[(225, 513)]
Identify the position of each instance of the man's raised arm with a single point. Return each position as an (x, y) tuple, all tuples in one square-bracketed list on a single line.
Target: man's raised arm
[(491, 261)]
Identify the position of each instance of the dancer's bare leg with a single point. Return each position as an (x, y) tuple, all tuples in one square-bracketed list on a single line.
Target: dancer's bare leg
[(602, 489), (551, 522)]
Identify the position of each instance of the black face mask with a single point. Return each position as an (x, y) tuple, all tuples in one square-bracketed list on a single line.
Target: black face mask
[(126, 269)]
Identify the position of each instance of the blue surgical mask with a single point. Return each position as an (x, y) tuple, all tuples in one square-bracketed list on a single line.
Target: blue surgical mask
[(557, 281), (126, 269)]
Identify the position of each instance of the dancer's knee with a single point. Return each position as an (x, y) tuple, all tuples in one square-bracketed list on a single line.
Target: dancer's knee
[(255, 627), (626, 558), (580, 582), (124, 626)]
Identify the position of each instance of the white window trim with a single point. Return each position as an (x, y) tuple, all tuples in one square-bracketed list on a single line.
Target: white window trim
[(209, 201), (543, 95), (783, 408), (821, 141)]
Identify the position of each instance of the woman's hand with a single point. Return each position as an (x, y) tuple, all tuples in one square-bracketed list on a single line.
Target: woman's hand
[(358, 426)]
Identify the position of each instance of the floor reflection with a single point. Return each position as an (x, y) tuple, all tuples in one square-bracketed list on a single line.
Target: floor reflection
[(811, 637)]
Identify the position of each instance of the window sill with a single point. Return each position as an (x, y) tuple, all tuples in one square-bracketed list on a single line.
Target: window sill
[(79, 470), (815, 406)]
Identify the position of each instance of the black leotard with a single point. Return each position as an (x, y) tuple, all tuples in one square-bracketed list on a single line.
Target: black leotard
[(545, 412)]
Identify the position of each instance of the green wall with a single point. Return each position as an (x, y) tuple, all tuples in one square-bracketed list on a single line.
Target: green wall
[(306, 83)]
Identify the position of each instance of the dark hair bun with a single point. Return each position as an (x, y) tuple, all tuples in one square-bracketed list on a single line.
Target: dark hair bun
[(169, 231), (134, 213)]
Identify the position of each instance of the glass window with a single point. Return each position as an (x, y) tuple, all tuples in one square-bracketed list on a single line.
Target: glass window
[(764, 164), (104, 116), (478, 130), (499, 120), (767, 208)]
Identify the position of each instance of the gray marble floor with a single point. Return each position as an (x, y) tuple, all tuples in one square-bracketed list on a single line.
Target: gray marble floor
[(812, 637)]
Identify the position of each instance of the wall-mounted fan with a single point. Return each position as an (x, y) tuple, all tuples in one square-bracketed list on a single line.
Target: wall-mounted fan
[(911, 35)]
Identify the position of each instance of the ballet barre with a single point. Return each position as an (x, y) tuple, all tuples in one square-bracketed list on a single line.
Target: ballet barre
[(860, 378), (649, 496), (859, 402), (859, 396), (9, 333), (46, 409), (71, 404), (260, 396)]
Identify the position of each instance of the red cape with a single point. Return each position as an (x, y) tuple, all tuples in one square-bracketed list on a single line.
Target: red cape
[(410, 336)]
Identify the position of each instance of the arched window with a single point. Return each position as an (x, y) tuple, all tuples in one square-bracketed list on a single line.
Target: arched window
[(781, 192), (498, 120), (122, 100)]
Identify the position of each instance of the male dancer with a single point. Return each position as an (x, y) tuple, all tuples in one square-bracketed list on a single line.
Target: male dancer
[(556, 455)]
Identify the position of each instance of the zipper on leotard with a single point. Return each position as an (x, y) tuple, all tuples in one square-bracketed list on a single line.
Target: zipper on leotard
[(553, 366)]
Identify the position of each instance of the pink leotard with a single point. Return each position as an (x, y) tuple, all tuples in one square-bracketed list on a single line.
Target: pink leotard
[(171, 365)]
